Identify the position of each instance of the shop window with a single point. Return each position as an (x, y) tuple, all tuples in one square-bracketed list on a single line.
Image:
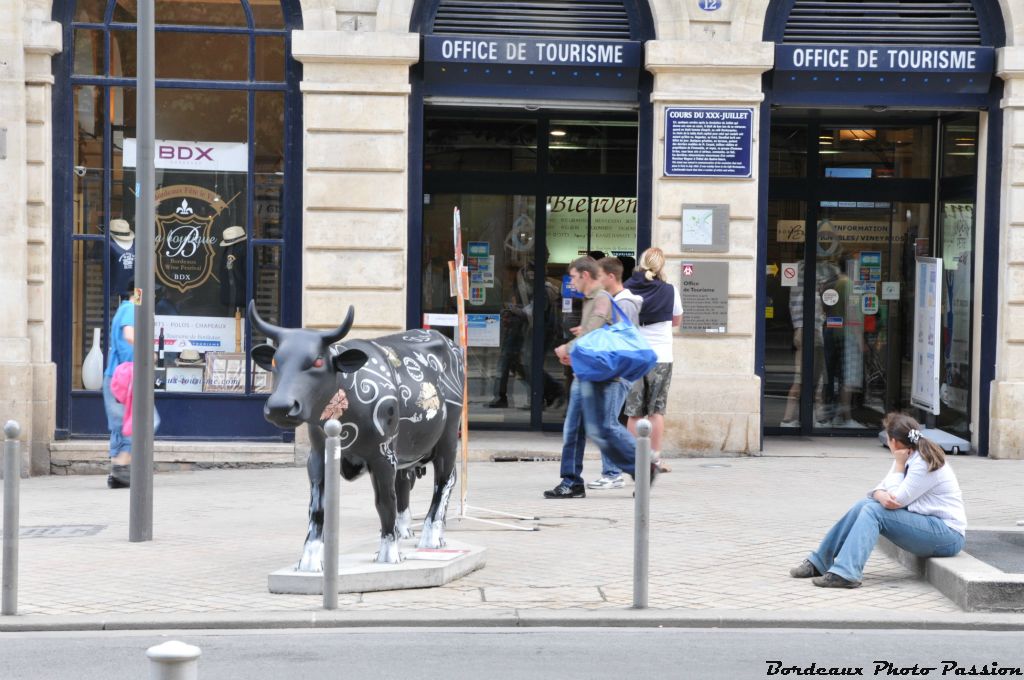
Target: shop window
[(592, 147), (458, 144), (859, 152), (220, 185), (177, 49), (788, 153)]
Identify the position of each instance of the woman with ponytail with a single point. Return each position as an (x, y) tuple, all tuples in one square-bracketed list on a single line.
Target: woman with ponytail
[(660, 312), (918, 506)]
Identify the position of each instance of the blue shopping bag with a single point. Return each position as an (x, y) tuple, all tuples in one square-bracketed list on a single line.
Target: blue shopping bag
[(615, 351)]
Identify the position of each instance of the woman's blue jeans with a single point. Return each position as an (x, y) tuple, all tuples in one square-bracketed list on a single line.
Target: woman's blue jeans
[(115, 418), (847, 545)]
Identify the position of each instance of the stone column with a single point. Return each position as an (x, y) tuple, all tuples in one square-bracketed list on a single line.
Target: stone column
[(355, 178), (715, 400), (26, 373), (1006, 428)]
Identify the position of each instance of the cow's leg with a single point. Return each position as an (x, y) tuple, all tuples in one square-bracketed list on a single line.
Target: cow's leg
[(444, 481), (404, 482), (383, 473), (313, 551)]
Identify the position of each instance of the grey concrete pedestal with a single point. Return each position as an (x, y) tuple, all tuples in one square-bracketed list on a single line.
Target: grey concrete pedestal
[(358, 573)]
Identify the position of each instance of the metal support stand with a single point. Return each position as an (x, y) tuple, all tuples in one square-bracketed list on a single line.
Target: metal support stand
[(642, 511), (457, 272), (12, 482), (332, 482)]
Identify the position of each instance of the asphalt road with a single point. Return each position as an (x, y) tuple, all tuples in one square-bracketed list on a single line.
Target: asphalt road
[(520, 654)]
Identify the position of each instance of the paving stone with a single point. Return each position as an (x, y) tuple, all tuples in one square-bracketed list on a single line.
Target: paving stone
[(720, 539)]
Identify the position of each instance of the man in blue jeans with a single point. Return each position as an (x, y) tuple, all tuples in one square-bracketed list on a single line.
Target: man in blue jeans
[(592, 405)]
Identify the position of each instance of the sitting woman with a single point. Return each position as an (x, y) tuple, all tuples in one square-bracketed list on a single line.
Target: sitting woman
[(918, 506)]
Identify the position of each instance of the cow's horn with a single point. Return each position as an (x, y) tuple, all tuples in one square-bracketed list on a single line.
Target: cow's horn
[(269, 330), (331, 337)]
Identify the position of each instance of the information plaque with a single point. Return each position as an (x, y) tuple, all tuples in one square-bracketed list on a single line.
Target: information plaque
[(704, 291), (708, 142)]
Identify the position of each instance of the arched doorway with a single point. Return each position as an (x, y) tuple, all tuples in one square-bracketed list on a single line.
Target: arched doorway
[(228, 198), (876, 114), (534, 120)]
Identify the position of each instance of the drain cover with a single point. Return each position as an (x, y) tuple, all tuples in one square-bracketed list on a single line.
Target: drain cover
[(62, 531), (714, 465)]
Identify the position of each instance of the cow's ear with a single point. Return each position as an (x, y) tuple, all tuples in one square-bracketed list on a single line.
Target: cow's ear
[(263, 355), (350, 361)]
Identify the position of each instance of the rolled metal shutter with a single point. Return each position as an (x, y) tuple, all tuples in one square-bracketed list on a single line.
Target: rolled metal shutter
[(896, 22), (588, 19)]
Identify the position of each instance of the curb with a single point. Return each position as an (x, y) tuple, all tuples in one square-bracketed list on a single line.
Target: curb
[(514, 618)]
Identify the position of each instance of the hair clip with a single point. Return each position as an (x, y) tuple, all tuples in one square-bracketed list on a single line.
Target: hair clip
[(914, 436)]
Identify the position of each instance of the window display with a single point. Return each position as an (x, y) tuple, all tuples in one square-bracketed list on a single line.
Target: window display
[(220, 160)]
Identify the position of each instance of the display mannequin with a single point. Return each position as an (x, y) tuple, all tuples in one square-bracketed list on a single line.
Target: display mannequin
[(122, 255), (232, 273)]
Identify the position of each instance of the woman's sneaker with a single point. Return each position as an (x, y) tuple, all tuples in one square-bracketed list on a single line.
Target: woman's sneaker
[(805, 570), (608, 482), (830, 580)]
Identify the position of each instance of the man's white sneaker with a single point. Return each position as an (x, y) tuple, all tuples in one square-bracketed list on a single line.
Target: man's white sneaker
[(607, 482)]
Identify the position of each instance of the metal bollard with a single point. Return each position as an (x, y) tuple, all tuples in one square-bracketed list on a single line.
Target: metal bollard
[(332, 482), (642, 511), (12, 482), (173, 660)]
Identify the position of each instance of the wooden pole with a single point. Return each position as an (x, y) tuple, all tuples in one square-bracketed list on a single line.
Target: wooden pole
[(460, 305)]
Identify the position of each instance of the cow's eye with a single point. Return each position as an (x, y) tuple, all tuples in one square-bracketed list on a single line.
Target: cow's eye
[(318, 363)]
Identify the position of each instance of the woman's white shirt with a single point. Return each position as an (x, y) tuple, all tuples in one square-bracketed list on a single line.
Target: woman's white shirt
[(659, 334), (935, 493)]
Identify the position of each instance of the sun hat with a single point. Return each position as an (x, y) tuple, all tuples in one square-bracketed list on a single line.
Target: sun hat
[(233, 235), (120, 229), (189, 357)]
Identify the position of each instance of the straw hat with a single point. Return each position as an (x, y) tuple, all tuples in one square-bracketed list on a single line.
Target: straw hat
[(121, 230), (233, 235), (189, 357)]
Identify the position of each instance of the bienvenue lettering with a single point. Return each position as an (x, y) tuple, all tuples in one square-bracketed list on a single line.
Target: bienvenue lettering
[(888, 59), (538, 52), (600, 205), (888, 668)]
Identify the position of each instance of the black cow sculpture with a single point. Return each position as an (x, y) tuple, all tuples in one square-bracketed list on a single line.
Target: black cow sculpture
[(399, 401)]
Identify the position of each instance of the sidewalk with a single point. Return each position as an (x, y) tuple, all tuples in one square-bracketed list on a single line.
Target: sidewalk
[(724, 533)]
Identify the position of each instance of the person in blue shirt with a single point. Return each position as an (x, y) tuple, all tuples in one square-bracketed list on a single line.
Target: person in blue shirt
[(122, 348)]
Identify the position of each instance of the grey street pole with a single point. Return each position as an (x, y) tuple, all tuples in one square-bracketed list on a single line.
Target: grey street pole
[(332, 482), (140, 522), (12, 492), (642, 520)]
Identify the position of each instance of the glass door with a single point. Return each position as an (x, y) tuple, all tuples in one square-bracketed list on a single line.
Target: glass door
[(850, 208), (499, 243), (535, 192)]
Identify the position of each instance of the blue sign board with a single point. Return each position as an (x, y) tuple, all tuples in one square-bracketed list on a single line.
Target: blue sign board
[(531, 67), (538, 52), (882, 74), (708, 141)]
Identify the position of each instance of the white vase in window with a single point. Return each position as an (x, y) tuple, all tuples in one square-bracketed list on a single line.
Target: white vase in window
[(92, 367)]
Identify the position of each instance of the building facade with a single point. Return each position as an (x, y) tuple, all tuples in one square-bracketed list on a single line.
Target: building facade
[(310, 156)]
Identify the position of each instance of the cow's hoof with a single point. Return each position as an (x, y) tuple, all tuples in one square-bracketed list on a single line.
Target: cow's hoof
[(432, 535), (312, 557), (403, 525), (388, 553)]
